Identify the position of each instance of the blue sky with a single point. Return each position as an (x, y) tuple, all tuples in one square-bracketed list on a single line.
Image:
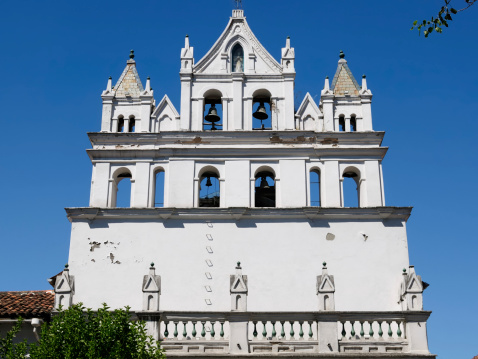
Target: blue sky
[(57, 56)]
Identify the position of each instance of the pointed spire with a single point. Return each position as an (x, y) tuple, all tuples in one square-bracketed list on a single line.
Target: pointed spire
[(364, 83), (324, 268), (287, 42), (108, 86), (186, 42), (239, 268), (344, 83), (152, 270), (326, 84), (148, 88), (129, 83)]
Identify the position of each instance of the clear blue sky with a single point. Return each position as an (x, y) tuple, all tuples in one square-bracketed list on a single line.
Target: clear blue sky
[(57, 56)]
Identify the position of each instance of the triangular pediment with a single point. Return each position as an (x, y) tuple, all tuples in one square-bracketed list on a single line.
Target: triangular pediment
[(344, 83), (165, 107), (325, 284), (62, 284), (129, 83), (308, 107), (414, 284), (218, 59), (151, 283), (239, 284)]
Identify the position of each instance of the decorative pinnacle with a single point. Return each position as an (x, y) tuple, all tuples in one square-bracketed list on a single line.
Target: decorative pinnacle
[(152, 264), (66, 266), (404, 270), (110, 78), (187, 35), (342, 55), (149, 78), (131, 54), (324, 264), (238, 264), (288, 37), (326, 77)]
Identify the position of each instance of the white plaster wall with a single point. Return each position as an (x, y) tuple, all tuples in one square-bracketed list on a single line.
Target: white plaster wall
[(281, 260)]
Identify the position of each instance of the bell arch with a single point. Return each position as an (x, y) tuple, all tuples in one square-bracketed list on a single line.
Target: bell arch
[(262, 110), (212, 110), (350, 189), (159, 185), (265, 187), (314, 187), (209, 187), (121, 183)]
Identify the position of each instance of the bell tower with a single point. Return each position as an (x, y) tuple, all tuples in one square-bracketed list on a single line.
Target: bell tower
[(238, 173)]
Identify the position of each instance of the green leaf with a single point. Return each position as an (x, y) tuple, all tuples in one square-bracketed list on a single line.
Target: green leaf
[(453, 11), (415, 22)]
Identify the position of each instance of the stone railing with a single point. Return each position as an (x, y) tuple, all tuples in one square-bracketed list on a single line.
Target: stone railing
[(188, 333)]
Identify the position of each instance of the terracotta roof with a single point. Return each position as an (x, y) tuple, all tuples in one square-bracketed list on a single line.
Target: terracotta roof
[(27, 304)]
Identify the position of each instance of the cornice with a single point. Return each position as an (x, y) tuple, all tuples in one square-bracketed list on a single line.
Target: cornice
[(237, 213)]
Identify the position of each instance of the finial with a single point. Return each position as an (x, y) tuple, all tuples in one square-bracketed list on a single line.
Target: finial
[(238, 4), (404, 270), (363, 76), (149, 78), (131, 54), (152, 264), (342, 55), (238, 264), (110, 78), (324, 264), (288, 37), (326, 77), (66, 266)]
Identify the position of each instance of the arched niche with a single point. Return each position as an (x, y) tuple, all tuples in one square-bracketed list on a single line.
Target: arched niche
[(351, 187), (265, 188), (261, 110), (209, 187), (212, 110)]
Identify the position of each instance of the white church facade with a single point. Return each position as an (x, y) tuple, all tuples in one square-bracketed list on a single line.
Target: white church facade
[(246, 175)]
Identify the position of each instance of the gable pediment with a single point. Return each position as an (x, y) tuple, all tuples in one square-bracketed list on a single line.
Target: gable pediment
[(151, 283), (308, 107), (218, 59), (238, 284)]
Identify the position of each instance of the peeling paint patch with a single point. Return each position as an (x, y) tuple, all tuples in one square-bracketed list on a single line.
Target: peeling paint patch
[(197, 140), (330, 236), (330, 141), (94, 245), (297, 140)]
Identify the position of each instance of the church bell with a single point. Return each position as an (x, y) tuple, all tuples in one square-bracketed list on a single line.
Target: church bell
[(261, 113), (212, 115), (264, 183), (208, 182)]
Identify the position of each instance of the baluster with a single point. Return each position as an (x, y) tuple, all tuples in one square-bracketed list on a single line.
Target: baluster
[(399, 332), (292, 333), (310, 330), (264, 330), (282, 332), (273, 329), (166, 333), (175, 330), (301, 332), (194, 329), (343, 329), (352, 332), (254, 333), (390, 333), (213, 333), (185, 333), (221, 333), (380, 332), (361, 330), (203, 331), (370, 332)]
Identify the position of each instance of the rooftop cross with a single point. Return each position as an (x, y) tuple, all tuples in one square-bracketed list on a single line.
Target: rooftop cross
[(238, 4)]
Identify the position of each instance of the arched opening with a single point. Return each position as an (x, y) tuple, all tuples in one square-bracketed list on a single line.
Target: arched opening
[(237, 64), (159, 188), (353, 123), (209, 190), (120, 127), (265, 189), (132, 124), (326, 302), (61, 301), (414, 302), (261, 110), (351, 188), (150, 302), (315, 187), (122, 196), (212, 111), (341, 123), (238, 302)]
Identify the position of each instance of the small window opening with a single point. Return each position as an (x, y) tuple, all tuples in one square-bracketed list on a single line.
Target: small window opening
[(265, 191), (237, 64), (353, 123), (315, 188), (213, 114), (150, 302), (123, 191), (120, 124), (159, 189), (132, 124), (341, 123), (351, 191), (209, 191)]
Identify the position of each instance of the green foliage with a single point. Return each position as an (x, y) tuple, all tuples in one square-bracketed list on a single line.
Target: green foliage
[(442, 19), (78, 333), (10, 350)]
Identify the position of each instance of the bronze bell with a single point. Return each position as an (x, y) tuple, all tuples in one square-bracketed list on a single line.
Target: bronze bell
[(261, 113), (264, 183), (212, 115), (208, 182)]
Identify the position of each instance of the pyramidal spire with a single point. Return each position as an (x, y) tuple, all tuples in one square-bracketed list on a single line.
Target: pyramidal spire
[(344, 83), (129, 83)]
